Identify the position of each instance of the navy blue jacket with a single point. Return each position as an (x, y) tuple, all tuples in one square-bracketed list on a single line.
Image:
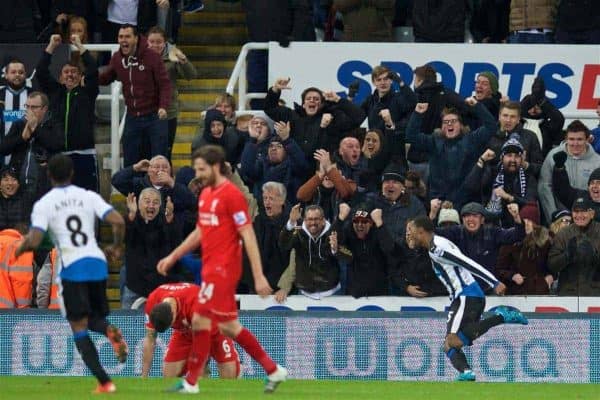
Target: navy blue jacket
[(451, 160)]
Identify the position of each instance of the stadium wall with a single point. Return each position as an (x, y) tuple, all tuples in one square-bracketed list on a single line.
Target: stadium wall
[(333, 345), (571, 73)]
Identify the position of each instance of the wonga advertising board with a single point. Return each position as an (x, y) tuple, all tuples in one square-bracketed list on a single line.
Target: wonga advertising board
[(571, 73)]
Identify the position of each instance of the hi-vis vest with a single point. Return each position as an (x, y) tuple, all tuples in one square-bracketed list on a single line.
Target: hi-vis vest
[(54, 303), (16, 274)]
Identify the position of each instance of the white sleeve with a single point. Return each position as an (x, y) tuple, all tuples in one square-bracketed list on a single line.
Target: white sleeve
[(101, 207), (39, 217)]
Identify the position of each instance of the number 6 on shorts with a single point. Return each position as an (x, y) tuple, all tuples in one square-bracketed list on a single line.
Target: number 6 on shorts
[(206, 292)]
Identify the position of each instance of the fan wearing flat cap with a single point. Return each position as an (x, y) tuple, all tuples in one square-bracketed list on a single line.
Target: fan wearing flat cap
[(479, 241), (397, 204), (567, 194), (575, 253)]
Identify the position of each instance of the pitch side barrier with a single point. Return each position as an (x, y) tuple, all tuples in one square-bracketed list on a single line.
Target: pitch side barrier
[(341, 345)]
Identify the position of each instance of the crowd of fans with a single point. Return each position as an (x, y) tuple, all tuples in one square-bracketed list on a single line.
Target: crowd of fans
[(506, 180)]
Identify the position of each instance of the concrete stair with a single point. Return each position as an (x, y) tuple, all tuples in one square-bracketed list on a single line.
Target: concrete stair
[(212, 40)]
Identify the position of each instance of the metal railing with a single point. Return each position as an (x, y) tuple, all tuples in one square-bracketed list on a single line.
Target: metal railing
[(116, 126), (238, 76)]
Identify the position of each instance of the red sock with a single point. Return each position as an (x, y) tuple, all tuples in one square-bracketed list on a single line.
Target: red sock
[(198, 355), (249, 343)]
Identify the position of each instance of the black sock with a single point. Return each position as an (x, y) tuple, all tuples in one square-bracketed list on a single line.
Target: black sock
[(458, 359), (475, 330), (89, 354), (98, 325)]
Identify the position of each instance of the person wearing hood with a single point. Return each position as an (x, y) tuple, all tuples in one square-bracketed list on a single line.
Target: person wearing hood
[(158, 174), (30, 142), (541, 117), (428, 90), (215, 132), (510, 127), (577, 157), (315, 245), (178, 67), (498, 185), (453, 153), (147, 92), (151, 234), (320, 122)]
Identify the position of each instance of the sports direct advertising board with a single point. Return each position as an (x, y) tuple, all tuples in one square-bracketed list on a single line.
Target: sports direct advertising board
[(571, 73)]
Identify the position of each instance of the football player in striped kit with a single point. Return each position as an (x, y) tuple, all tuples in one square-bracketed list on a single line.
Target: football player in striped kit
[(456, 271)]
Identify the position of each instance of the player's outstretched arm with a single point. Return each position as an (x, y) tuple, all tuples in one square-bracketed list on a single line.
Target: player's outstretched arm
[(190, 243), (31, 241), (114, 251), (148, 351), (261, 285)]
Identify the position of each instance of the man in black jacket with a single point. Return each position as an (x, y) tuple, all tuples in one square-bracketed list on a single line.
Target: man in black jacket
[(72, 106), (365, 245), (317, 270), (510, 127), (319, 123), (268, 224), (30, 143)]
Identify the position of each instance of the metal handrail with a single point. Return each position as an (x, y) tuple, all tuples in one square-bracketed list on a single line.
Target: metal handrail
[(116, 125), (238, 76)]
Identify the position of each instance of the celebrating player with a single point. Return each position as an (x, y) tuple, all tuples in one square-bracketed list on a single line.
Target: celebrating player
[(171, 305), (455, 271), (222, 220), (69, 214)]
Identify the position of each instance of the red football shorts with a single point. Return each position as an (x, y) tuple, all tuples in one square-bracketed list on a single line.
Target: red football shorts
[(221, 347), (216, 299)]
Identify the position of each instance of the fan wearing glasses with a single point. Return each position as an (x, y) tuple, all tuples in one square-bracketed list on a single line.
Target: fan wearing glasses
[(451, 153), (30, 142)]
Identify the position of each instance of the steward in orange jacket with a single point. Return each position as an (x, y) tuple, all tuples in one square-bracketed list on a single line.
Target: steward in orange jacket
[(16, 274)]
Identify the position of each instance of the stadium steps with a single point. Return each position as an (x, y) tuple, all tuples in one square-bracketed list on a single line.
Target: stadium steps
[(212, 40)]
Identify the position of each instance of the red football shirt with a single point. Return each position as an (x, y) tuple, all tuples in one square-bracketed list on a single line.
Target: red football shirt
[(186, 295), (221, 212)]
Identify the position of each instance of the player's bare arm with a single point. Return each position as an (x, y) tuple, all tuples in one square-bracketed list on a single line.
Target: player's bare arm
[(190, 243), (261, 285), (31, 241), (148, 351), (114, 251)]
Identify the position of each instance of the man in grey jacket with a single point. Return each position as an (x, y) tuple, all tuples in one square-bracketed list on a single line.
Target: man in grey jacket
[(578, 158)]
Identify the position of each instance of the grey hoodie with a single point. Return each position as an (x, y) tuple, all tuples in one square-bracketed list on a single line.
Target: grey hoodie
[(578, 170)]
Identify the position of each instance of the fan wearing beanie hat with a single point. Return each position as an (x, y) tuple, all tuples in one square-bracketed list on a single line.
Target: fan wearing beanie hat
[(486, 85)]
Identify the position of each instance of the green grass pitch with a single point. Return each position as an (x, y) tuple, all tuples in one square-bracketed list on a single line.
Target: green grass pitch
[(49, 388)]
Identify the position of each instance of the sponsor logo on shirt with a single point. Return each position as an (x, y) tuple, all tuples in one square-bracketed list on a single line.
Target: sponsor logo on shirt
[(240, 218), (13, 115), (208, 219)]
